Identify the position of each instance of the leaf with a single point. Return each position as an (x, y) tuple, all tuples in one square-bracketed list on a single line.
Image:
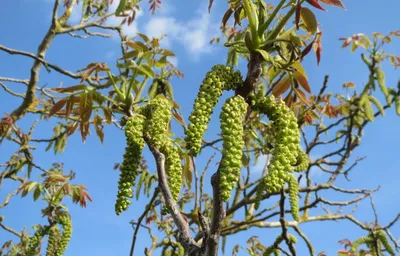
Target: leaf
[(144, 37), (130, 55), (98, 126), (273, 72), (188, 171), (147, 70), (107, 115), (85, 107), (298, 14), (121, 8), (166, 52), (210, 5), (68, 89), (57, 107), (302, 80), (36, 193), (318, 46), (245, 160), (315, 4), (264, 54), (348, 85), (306, 50), (282, 86), (301, 96), (134, 45), (309, 20), (179, 119), (226, 16), (337, 3)]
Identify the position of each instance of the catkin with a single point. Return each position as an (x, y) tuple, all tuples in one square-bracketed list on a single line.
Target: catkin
[(232, 135), (130, 165), (220, 78), (158, 115)]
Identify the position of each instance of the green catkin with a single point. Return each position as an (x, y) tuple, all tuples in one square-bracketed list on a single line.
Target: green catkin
[(380, 77), (294, 197), (362, 240), (302, 161), (397, 104), (130, 165), (217, 80), (158, 113), (287, 155), (35, 240), (52, 244), (64, 219), (173, 170), (380, 234), (232, 134), (277, 252)]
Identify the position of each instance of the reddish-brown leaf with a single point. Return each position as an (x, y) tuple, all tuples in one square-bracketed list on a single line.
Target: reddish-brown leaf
[(68, 89), (316, 4), (337, 3), (318, 46), (226, 17), (307, 50), (210, 5), (302, 80), (57, 107), (282, 86), (98, 126), (301, 96), (298, 12)]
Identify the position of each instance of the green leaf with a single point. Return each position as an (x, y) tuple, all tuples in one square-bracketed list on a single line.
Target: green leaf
[(188, 171), (121, 8), (144, 37), (309, 20), (147, 70), (36, 193)]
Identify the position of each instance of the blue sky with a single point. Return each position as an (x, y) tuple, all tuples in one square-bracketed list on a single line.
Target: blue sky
[(97, 230)]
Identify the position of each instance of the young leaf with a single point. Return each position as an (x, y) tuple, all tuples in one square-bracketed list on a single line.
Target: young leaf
[(282, 86), (309, 20), (57, 107), (302, 80), (337, 3), (315, 4)]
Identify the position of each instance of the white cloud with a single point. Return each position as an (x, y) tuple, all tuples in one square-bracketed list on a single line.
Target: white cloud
[(194, 34)]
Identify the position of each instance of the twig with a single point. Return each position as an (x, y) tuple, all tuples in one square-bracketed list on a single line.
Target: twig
[(138, 224)]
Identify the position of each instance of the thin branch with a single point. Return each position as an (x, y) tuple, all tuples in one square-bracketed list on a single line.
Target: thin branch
[(138, 224), (185, 237)]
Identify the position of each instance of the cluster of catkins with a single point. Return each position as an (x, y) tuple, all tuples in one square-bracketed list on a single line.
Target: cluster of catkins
[(151, 120), (287, 155), (374, 238), (232, 135), (219, 79), (56, 244), (158, 114), (34, 241), (273, 249), (130, 165), (54, 239)]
